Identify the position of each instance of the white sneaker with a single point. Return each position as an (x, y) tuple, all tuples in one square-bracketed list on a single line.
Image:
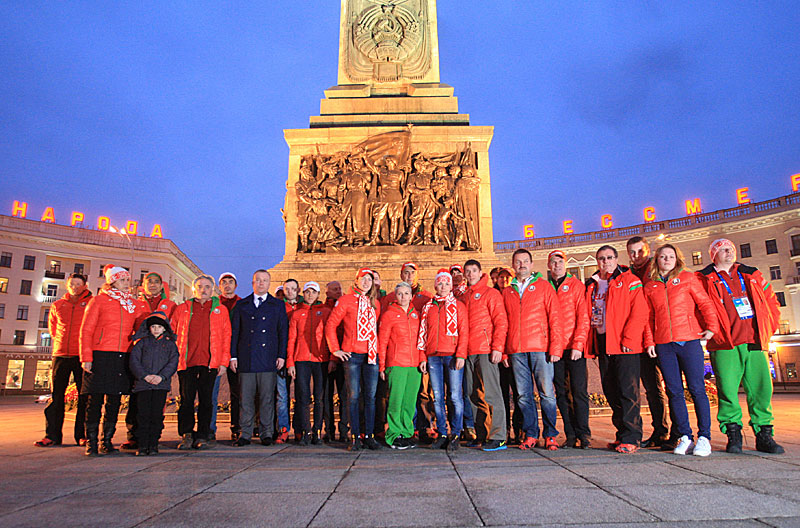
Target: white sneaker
[(684, 445), (703, 447)]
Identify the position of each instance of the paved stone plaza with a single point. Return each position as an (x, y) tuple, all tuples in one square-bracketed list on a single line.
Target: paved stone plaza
[(327, 486)]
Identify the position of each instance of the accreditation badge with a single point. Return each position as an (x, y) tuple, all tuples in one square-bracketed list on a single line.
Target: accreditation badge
[(743, 307)]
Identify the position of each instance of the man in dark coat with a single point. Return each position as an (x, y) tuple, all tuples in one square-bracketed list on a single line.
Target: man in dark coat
[(259, 334)]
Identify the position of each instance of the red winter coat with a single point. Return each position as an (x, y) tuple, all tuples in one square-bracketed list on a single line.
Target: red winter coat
[(345, 311), (627, 315), (64, 323), (419, 299), (397, 338), (674, 308), (534, 320), (488, 322), (220, 324), (574, 317), (107, 326), (763, 300), (307, 334), (438, 343)]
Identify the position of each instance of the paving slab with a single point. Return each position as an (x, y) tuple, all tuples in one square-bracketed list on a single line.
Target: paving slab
[(184, 482), (88, 510), (702, 501), (539, 507), (646, 473), (281, 480), (486, 478), (242, 510), (400, 479), (377, 509), (781, 522), (787, 489), (740, 468)]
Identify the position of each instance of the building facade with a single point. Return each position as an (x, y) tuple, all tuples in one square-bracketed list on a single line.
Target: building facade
[(37, 257), (766, 234)]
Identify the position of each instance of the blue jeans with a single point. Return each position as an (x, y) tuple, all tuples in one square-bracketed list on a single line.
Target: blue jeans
[(438, 368), (469, 420), (283, 403), (530, 366), (359, 373), (675, 359), (214, 399)]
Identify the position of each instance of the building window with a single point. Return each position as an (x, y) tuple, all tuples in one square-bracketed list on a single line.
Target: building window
[(55, 266), (795, 245), (697, 258), (25, 287), (744, 250), (78, 268), (14, 374), (52, 290), (42, 380), (5, 259), (45, 339), (100, 273), (45, 318), (772, 246), (774, 273), (4, 284), (19, 337), (781, 298), (791, 371), (2, 311), (29, 262), (22, 312)]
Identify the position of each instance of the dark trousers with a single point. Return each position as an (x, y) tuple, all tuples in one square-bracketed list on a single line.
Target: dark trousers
[(572, 396), (381, 404), (195, 382), (108, 406), (236, 398), (360, 376), (150, 417), (63, 367), (308, 371), (131, 417), (619, 375), (688, 360), (508, 386), (336, 383), (652, 381)]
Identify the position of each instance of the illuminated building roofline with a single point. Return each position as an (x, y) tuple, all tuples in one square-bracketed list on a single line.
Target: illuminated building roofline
[(652, 229)]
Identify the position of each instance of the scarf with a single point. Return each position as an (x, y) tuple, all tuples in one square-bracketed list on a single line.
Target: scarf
[(125, 299), (461, 289), (366, 322), (451, 313)]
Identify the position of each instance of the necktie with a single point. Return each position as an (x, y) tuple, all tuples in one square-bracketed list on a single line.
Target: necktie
[(258, 301)]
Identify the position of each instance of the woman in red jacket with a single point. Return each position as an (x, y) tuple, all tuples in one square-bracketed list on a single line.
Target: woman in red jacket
[(306, 356), (358, 313), (675, 296), (443, 340), (106, 330), (399, 361)]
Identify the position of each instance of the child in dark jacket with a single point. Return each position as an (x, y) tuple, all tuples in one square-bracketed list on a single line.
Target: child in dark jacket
[(154, 360)]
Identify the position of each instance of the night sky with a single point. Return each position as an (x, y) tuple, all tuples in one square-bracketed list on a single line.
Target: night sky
[(173, 113)]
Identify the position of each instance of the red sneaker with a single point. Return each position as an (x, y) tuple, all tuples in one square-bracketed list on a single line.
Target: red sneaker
[(550, 443), (45, 442), (529, 443), (627, 449), (283, 436), (613, 445)]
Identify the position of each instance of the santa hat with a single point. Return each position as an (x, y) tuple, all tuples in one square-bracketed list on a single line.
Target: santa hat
[(443, 275), (227, 274), (718, 244), (114, 273)]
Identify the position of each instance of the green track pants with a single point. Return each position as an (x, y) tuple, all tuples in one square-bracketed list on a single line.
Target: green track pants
[(403, 385), (749, 368)]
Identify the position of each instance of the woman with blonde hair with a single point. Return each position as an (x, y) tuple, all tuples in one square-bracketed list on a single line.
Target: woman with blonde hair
[(675, 298)]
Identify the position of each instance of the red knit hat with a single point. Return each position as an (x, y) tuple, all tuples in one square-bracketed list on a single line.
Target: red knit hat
[(443, 275)]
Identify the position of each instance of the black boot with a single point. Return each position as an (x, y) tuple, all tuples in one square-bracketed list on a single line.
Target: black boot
[(106, 447), (734, 432), (91, 440), (765, 443)]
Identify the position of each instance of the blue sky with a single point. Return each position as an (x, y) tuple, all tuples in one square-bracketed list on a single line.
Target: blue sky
[(173, 112)]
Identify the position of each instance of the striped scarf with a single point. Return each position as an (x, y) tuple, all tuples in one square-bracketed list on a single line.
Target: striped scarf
[(125, 299), (451, 312), (366, 324)]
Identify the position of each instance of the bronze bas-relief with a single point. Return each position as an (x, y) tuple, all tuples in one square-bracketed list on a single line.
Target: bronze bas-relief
[(379, 193)]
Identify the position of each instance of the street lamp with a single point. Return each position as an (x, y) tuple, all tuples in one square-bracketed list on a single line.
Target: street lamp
[(124, 234)]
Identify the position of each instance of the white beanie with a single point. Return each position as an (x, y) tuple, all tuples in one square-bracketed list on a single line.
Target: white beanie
[(227, 274), (115, 273)]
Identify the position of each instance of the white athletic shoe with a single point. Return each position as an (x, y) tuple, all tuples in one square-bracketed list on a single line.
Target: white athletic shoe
[(702, 448), (684, 445)]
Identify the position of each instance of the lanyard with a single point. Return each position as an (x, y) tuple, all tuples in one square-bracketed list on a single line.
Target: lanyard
[(741, 281)]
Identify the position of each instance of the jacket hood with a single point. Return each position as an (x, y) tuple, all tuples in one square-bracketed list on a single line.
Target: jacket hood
[(155, 317), (617, 272), (709, 270), (85, 294)]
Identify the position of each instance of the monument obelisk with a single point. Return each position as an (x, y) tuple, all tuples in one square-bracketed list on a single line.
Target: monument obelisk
[(390, 171)]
